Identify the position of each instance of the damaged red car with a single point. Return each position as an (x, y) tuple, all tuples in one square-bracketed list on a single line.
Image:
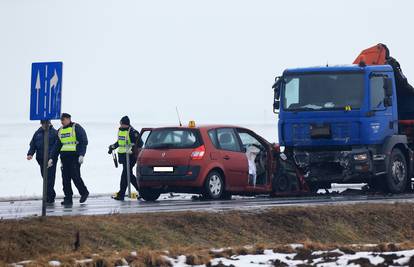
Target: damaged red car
[(216, 161)]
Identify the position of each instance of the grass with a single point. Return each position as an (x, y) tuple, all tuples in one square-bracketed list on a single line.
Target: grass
[(189, 233)]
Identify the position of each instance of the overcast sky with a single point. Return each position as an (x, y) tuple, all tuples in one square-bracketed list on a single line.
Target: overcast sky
[(215, 60)]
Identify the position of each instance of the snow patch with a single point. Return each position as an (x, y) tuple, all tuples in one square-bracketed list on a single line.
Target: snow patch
[(317, 258), (54, 263)]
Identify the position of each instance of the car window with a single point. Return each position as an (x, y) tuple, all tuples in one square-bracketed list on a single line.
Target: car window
[(173, 138), (144, 136), (213, 138), (247, 140), (227, 139)]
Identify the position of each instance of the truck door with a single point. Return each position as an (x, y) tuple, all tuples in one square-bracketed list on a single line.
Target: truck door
[(384, 122)]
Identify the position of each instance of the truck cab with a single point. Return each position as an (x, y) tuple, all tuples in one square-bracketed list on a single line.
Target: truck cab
[(340, 124)]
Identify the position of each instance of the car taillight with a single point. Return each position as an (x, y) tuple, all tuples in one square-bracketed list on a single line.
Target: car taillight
[(198, 153)]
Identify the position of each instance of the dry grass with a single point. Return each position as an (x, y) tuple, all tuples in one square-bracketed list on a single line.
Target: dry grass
[(196, 256), (192, 233)]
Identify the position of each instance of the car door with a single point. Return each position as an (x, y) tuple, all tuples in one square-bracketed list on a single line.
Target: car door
[(260, 161), (233, 159)]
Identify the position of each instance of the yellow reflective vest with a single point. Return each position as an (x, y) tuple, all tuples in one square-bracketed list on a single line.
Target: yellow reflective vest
[(68, 139), (124, 141)]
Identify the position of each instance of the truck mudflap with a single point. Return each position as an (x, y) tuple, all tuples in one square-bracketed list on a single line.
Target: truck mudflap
[(411, 169)]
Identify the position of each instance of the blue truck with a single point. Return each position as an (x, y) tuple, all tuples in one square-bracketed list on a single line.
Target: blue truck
[(348, 124)]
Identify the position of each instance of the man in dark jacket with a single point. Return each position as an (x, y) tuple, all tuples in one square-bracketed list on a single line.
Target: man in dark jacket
[(129, 141), (37, 147), (71, 146)]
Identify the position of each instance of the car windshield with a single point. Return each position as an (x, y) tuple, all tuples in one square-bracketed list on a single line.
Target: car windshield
[(323, 91), (173, 138)]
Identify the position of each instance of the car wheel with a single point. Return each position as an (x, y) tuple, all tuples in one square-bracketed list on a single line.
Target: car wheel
[(396, 178), (149, 194), (214, 186), (282, 183)]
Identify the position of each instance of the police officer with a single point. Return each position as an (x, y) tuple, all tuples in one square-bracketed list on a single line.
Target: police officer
[(71, 146), (36, 147), (129, 141)]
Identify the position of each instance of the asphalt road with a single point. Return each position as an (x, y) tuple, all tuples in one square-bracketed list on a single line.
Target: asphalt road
[(105, 205)]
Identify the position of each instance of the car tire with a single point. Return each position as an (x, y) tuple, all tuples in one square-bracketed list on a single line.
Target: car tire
[(282, 183), (149, 194), (397, 175), (214, 186)]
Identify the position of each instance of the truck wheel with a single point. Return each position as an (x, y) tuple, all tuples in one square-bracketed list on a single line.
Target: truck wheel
[(214, 186), (396, 178), (149, 194)]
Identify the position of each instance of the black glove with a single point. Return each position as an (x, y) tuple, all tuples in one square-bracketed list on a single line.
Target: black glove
[(110, 149)]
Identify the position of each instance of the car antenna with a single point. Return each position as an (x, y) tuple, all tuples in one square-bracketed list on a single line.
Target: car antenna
[(178, 115)]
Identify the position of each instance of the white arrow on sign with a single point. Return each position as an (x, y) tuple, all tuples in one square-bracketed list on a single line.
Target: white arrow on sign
[(37, 87), (53, 84)]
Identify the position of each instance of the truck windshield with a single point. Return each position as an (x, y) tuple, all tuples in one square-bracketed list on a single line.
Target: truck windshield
[(323, 91)]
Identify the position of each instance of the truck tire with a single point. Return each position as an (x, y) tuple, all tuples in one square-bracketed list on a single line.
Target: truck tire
[(397, 176), (214, 186), (149, 194)]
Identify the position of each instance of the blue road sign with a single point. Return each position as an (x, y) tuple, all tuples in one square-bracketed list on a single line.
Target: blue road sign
[(46, 91)]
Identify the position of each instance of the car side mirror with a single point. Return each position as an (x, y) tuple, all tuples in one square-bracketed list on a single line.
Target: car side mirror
[(388, 86)]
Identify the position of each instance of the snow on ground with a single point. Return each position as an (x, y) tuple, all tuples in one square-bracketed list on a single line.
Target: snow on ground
[(298, 257), (54, 263), (21, 178), (318, 258)]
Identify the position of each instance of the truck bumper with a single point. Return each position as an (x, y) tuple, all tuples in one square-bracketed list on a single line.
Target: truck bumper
[(355, 165)]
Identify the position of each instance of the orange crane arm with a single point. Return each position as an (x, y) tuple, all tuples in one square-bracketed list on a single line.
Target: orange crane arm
[(375, 55)]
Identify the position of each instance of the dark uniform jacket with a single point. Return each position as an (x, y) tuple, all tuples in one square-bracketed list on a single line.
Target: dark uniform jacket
[(37, 142)]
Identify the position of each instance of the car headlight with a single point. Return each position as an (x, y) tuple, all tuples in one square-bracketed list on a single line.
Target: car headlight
[(360, 157)]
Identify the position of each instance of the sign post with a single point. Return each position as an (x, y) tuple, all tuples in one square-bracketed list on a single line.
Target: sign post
[(45, 125), (45, 105)]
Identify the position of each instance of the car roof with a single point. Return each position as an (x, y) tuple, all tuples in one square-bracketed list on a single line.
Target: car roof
[(206, 127), (202, 127)]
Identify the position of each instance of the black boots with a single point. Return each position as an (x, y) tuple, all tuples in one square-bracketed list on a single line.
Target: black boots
[(84, 197), (67, 202)]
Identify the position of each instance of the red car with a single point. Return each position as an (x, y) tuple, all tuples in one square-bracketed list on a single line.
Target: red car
[(216, 161)]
